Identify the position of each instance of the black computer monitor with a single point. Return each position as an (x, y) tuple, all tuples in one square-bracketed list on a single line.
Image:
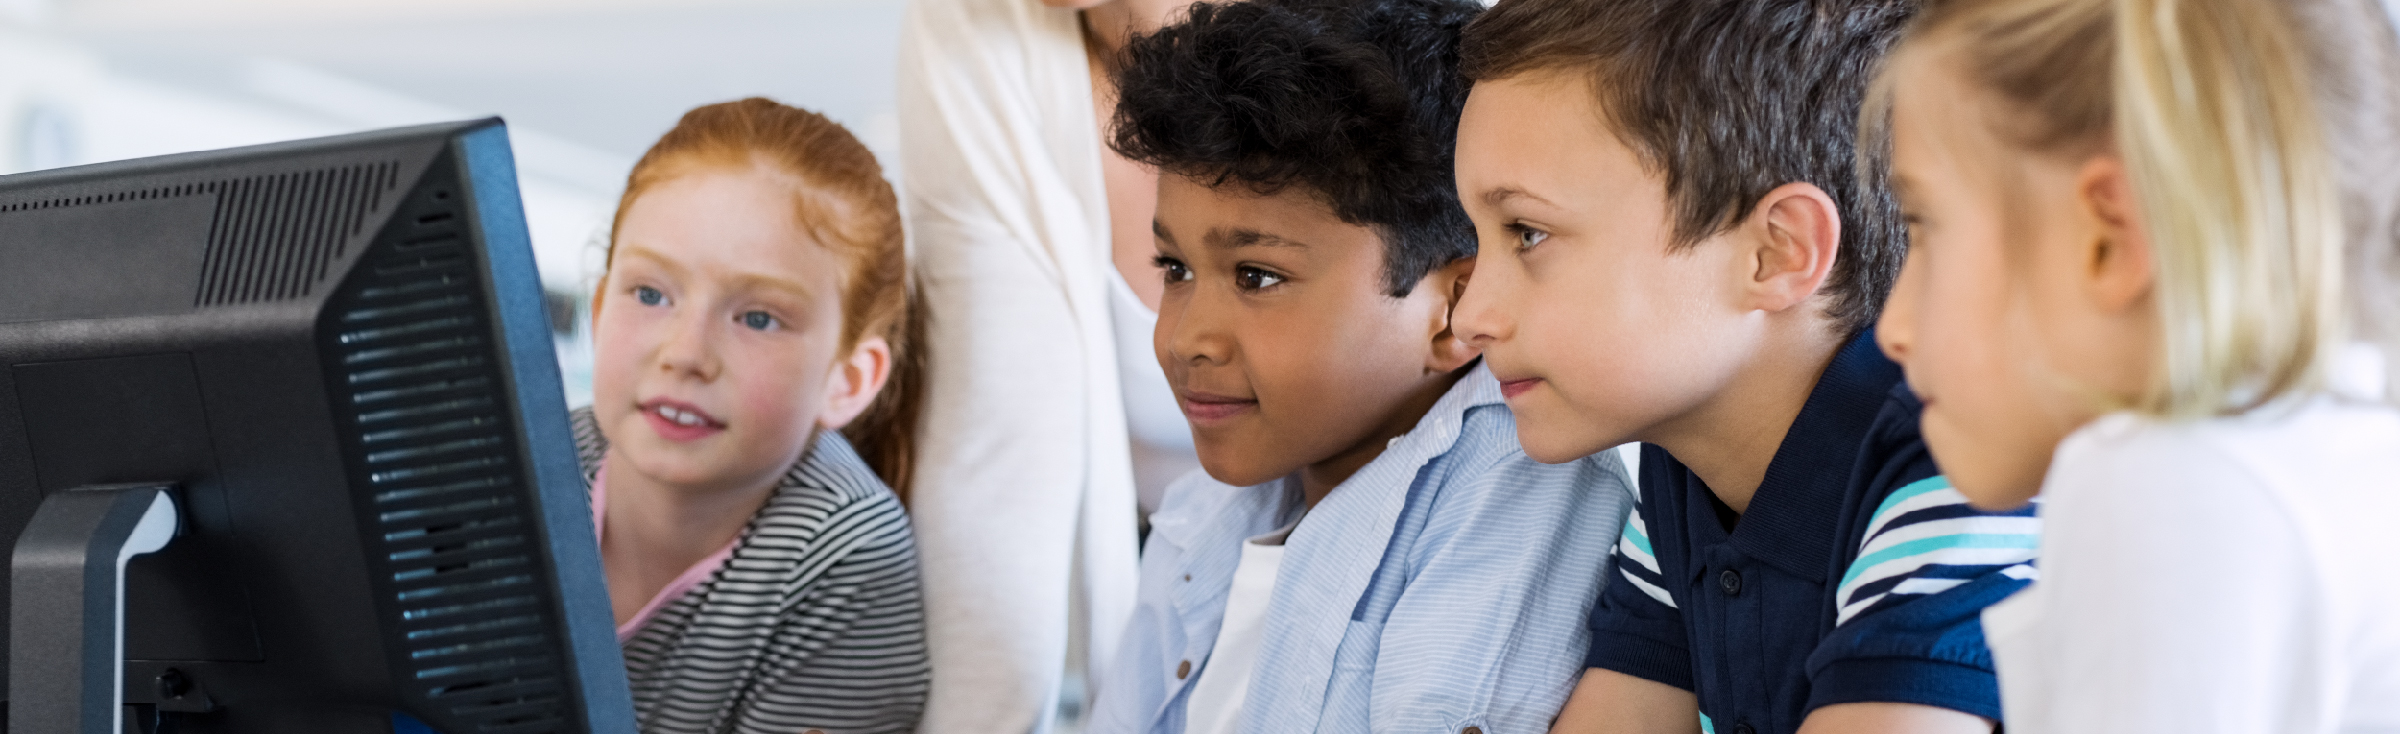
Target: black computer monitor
[(331, 358)]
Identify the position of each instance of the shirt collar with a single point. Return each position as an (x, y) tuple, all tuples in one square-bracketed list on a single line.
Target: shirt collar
[(1791, 519), (1439, 428)]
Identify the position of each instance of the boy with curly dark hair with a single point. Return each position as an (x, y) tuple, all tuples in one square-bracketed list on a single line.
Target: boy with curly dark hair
[(1369, 548)]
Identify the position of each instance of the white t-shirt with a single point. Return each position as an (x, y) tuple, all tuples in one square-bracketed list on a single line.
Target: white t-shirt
[(2228, 575), (1216, 703)]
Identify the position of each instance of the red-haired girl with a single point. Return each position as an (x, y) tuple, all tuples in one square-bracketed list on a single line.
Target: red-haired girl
[(751, 405)]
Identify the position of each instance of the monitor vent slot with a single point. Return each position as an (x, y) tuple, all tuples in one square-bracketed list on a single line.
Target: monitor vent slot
[(162, 193), (416, 367), (276, 236)]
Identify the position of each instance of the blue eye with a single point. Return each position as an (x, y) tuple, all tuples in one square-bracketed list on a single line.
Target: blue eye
[(1527, 237), (648, 296), (758, 320)]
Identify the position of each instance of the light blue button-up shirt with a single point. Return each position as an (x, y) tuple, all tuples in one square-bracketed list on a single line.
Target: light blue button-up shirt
[(1443, 586)]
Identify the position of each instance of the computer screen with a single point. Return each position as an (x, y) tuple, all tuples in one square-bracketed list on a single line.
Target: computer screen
[(331, 356)]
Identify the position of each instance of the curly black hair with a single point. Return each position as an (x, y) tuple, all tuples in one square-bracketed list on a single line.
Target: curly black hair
[(1353, 101)]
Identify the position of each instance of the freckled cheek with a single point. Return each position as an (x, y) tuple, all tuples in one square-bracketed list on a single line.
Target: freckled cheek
[(776, 382)]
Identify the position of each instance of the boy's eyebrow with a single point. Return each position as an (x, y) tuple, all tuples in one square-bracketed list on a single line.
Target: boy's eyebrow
[(1495, 197), (1243, 237)]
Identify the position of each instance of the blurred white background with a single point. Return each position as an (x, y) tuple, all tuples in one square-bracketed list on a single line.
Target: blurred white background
[(585, 85)]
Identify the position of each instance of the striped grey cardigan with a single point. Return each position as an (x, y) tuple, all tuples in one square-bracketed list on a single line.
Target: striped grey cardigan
[(816, 622)]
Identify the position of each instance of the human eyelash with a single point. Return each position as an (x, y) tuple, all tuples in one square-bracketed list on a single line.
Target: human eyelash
[(1245, 277), (1522, 232), (1171, 269)]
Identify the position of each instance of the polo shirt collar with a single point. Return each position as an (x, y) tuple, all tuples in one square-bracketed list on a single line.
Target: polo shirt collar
[(1791, 519)]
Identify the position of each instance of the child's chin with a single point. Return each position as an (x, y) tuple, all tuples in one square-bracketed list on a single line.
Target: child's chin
[(1222, 466), (1555, 445)]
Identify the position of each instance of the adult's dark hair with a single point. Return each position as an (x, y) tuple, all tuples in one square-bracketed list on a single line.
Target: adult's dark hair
[(1729, 99), (1354, 101)]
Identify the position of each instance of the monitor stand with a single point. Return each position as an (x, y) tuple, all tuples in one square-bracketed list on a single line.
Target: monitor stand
[(66, 636)]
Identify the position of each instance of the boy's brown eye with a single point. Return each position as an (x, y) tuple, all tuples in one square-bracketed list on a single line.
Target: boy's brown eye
[(1172, 270), (1251, 279)]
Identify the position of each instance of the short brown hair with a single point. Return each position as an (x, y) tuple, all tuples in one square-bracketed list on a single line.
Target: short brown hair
[(1727, 99)]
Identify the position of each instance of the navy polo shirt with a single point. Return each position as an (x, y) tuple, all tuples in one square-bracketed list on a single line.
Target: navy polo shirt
[(1857, 574)]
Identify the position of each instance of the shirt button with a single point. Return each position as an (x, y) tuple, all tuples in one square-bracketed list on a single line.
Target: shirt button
[(1187, 577), (1731, 582), (1471, 730), (1743, 728), (1183, 670)]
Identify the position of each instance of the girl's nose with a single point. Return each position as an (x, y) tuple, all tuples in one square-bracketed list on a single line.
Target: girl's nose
[(687, 347), (1896, 331)]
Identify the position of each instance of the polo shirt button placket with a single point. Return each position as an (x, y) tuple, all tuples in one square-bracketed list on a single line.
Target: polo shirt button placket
[(1731, 582)]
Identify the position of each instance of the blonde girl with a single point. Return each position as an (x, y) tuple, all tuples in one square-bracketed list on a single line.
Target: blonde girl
[(752, 400), (2126, 291)]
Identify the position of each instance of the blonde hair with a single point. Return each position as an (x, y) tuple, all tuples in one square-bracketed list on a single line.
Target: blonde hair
[(2210, 104), (841, 198)]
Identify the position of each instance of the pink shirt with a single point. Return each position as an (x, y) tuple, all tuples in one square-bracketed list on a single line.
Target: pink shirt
[(675, 589)]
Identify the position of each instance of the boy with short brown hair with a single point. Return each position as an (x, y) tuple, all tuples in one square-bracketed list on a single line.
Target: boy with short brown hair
[(1675, 249)]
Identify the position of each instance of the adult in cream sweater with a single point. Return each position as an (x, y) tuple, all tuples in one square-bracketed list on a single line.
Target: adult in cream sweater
[(1033, 247)]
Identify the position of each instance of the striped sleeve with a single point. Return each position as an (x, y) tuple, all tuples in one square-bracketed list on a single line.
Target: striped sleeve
[(1636, 627), (1637, 562), (1909, 610), (1926, 539)]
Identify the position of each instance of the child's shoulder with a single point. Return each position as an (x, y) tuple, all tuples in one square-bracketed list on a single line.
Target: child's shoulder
[(2319, 455), (832, 475)]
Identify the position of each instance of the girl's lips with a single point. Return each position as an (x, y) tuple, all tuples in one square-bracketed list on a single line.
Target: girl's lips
[(694, 424), (1513, 388), (1205, 408)]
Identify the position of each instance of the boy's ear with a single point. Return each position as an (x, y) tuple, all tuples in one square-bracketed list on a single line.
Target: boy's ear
[(855, 381), (1795, 235), (2119, 265), (1449, 350)]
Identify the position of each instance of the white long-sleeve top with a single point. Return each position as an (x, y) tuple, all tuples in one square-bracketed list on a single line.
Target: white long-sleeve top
[(2231, 575), (1023, 498)]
